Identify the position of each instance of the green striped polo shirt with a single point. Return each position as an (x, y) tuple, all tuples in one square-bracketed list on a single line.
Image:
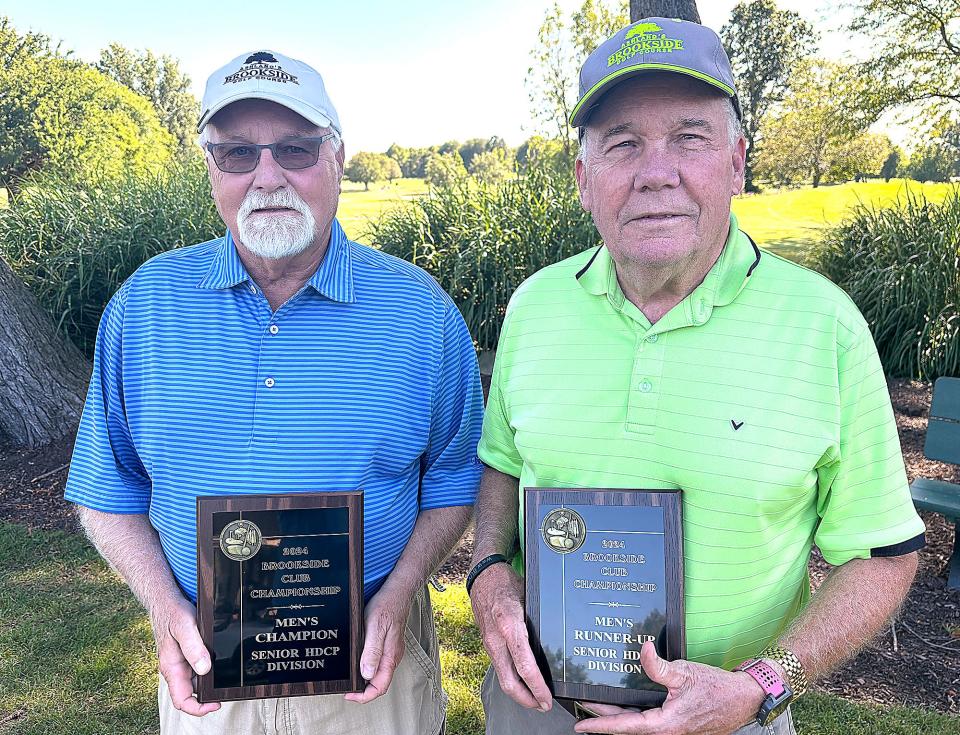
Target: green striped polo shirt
[(760, 396)]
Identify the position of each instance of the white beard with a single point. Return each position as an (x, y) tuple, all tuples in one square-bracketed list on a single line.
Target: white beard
[(275, 236)]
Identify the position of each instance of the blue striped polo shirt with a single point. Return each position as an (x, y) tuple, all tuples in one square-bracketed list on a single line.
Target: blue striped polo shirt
[(365, 379)]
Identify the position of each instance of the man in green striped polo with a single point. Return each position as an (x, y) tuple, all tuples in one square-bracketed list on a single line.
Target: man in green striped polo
[(678, 355)]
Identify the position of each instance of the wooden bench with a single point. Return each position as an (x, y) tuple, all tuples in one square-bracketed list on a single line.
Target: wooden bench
[(943, 444)]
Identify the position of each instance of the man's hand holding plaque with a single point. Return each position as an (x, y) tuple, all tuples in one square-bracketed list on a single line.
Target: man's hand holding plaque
[(497, 599)]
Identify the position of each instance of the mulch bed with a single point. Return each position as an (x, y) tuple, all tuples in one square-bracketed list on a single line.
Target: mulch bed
[(916, 662)]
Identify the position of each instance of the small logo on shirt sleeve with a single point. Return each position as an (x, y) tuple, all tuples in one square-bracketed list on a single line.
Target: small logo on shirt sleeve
[(736, 426)]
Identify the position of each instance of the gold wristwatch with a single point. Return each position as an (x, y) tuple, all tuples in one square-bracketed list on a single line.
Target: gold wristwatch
[(788, 661)]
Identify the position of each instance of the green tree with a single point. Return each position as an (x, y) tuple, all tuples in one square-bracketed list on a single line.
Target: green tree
[(89, 126), (562, 45), (392, 169), (934, 161), (815, 131), (160, 80), (543, 152), (891, 167), (860, 157), (492, 166), (916, 53), (445, 169), (475, 146), (60, 113), (365, 167), (22, 61), (764, 44)]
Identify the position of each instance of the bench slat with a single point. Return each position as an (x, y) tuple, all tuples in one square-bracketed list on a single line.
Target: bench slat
[(943, 430), (946, 399), (936, 495)]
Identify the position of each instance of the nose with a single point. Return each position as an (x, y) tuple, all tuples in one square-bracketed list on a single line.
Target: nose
[(657, 167), (268, 175)]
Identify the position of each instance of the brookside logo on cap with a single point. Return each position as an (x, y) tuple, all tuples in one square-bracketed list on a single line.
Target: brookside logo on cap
[(653, 44), (261, 65), (268, 75)]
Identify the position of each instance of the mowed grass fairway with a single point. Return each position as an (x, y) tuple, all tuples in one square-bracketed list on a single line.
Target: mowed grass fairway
[(76, 654), (358, 207), (786, 221), (789, 221)]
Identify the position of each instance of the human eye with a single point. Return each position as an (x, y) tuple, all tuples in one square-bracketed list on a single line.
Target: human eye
[(237, 152), (292, 148), (620, 146), (691, 138)]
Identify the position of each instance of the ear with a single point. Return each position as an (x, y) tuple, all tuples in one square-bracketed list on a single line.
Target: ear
[(582, 184), (739, 163)]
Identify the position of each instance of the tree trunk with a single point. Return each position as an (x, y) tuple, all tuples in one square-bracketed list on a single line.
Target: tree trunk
[(683, 9), (748, 185), (43, 377)]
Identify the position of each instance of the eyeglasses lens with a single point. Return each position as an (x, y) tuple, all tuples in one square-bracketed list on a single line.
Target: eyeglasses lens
[(290, 154)]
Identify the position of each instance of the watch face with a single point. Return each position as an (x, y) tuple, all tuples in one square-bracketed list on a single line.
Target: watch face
[(773, 707)]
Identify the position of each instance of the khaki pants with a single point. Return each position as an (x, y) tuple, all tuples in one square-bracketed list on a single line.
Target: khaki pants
[(506, 717), (414, 703)]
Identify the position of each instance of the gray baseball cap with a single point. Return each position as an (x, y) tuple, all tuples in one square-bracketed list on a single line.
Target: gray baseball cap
[(267, 75), (653, 44)]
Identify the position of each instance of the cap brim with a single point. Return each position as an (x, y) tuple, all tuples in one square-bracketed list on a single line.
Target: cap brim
[(586, 104), (306, 111)]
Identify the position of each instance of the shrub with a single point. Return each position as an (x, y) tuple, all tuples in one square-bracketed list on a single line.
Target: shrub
[(74, 244), (480, 241), (901, 265)]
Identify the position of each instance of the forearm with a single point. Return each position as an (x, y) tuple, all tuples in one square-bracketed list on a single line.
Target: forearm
[(435, 534), (496, 514), (850, 608), (131, 546)]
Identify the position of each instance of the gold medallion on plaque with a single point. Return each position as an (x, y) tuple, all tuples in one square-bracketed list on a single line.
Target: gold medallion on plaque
[(564, 530), (240, 540)]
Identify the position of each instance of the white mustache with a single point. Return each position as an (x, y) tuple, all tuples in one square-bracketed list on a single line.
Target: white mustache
[(286, 198)]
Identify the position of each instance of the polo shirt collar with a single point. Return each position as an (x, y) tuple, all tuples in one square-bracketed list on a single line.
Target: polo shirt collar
[(333, 277), (724, 281)]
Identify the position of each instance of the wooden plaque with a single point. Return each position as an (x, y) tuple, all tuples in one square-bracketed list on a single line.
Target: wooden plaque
[(280, 594), (604, 573)]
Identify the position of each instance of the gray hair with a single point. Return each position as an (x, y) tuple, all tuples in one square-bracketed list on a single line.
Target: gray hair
[(734, 129)]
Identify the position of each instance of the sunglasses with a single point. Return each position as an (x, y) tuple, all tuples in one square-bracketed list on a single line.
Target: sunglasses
[(291, 154)]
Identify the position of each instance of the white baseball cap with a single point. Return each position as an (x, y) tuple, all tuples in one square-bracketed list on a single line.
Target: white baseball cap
[(267, 75)]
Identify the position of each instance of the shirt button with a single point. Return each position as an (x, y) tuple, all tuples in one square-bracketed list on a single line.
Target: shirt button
[(269, 382), (653, 337), (253, 289), (646, 386), (274, 329)]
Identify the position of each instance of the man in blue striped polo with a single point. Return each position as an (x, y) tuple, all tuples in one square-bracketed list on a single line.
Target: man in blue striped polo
[(282, 357)]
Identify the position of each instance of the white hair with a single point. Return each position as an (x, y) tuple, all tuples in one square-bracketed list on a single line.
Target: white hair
[(734, 129), (275, 236)]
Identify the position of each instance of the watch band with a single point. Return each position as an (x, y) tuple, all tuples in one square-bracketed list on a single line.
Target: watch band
[(796, 675), (778, 694), (765, 675), (480, 566)]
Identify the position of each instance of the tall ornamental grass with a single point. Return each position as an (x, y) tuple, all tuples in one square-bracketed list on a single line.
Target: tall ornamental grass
[(75, 243), (480, 241), (901, 265)]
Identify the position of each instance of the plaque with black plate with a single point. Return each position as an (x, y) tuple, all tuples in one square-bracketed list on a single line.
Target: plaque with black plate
[(280, 594), (604, 574)]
